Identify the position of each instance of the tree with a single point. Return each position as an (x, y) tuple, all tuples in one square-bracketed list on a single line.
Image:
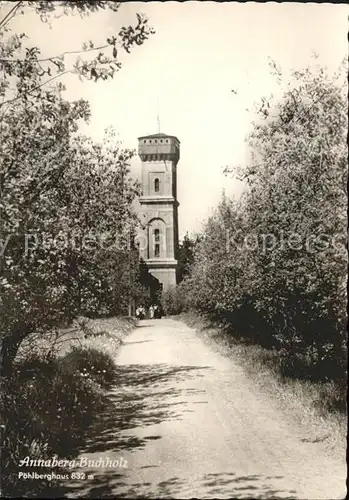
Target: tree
[(58, 189), (17, 59), (284, 270), (299, 189), (186, 256), (67, 216)]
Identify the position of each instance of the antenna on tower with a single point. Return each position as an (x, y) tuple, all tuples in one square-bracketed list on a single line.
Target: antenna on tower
[(157, 116)]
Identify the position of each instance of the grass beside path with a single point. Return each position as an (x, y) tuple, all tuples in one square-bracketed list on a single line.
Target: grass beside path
[(306, 401), (56, 392), (104, 333)]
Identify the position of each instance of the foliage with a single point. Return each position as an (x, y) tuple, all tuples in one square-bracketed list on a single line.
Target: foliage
[(172, 301), (90, 362), (66, 217), (274, 264), (18, 59), (66, 223), (49, 402), (186, 256), (46, 412)]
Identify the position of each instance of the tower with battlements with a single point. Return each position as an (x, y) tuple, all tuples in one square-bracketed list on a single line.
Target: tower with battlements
[(159, 206)]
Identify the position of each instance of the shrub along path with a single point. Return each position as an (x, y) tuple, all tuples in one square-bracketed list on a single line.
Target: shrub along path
[(189, 422)]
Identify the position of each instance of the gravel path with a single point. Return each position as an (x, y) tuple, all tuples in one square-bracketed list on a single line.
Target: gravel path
[(194, 425)]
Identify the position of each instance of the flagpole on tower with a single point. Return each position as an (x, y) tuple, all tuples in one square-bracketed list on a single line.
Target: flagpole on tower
[(158, 117)]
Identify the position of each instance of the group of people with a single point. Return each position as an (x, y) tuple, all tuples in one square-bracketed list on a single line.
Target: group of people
[(140, 312), (154, 312)]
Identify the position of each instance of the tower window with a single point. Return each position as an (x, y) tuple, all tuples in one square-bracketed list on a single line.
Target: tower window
[(156, 242), (145, 140), (156, 185), (150, 140), (156, 140)]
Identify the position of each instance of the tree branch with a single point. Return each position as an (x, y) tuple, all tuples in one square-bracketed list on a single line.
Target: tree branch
[(15, 61), (11, 13), (38, 87), (101, 47)]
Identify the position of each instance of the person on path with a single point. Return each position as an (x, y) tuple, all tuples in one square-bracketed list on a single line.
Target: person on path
[(151, 312)]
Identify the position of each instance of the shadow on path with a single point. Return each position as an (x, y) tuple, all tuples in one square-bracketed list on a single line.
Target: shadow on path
[(215, 485), (147, 395), (143, 395)]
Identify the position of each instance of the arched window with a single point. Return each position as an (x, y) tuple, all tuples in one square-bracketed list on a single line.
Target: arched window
[(156, 242), (156, 185)]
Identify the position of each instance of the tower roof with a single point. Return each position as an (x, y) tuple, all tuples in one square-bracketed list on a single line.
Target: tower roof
[(155, 136)]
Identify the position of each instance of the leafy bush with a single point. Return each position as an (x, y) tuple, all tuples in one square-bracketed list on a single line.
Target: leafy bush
[(46, 411), (92, 363), (333, 397), (274, 264), (172, 301)]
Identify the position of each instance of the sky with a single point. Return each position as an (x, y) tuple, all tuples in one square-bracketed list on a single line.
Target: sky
[(186, 71)]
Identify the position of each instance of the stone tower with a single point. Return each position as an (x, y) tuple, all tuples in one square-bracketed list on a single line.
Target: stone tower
[(159, 206)]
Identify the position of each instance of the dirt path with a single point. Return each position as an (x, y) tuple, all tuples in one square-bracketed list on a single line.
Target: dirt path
[(193, 425)]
